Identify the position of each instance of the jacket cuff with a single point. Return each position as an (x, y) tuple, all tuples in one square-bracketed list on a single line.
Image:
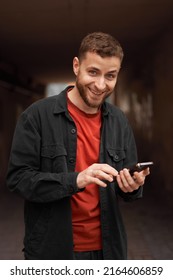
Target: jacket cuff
[(69, 181)]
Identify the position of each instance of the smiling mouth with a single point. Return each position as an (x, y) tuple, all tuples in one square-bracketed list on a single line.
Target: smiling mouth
[(96, 93)]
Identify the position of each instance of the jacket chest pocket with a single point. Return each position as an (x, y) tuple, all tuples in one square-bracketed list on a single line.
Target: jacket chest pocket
[(53, 159), (116, 158)]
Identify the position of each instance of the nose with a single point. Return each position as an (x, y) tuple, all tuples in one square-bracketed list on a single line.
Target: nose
[(100, 83)]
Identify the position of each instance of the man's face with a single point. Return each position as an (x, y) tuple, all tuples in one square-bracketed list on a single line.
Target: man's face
[(96, 78)]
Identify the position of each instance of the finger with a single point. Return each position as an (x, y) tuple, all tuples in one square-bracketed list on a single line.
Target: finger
[(146, 171), (99, 182), (84, 179), (105, 168), (95, 180), (94, 177), (139, 178), (102, 175), (128, 183), (120, 184)]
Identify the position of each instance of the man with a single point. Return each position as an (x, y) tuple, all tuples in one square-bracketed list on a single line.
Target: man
[(69, 161)]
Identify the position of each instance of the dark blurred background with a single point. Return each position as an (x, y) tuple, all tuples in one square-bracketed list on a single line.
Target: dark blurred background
[(38, 40)]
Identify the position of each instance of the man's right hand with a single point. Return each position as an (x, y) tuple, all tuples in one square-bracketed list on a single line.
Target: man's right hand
[(97, 173)]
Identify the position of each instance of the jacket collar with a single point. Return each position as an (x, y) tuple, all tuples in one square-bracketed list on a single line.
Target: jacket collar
[(61, 101)]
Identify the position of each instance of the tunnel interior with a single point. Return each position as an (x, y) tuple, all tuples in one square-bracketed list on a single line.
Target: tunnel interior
[(39, 41)]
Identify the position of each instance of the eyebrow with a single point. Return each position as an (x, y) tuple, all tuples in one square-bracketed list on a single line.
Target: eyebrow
[(113, 71), (97, 69)]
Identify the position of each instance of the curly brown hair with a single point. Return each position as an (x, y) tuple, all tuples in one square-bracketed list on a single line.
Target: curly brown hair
[(101, 43)]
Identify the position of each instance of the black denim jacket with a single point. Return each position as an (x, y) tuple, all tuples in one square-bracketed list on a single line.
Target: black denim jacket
[(41, 170)]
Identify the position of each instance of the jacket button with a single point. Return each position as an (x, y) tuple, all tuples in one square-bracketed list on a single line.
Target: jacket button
[(116, 157), (71, 160), (73, 130)]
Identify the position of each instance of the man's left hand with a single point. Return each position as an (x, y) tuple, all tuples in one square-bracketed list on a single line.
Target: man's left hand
[(128, 183)]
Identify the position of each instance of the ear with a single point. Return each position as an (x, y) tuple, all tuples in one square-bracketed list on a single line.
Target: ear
[(76, 65)]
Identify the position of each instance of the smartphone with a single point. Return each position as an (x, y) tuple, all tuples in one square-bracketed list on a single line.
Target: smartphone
[(140, 166)]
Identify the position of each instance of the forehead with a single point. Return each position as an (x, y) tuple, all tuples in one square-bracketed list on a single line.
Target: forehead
[(93, 60)]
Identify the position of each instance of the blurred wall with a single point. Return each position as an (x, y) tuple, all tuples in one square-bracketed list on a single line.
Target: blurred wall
[(144, 93), (15, 96), (163, 111)]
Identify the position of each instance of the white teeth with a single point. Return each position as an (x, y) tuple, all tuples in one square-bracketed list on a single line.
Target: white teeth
[(95, 93), (98, 94)]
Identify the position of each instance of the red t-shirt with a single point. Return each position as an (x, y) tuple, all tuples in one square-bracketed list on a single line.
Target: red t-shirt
[(85, 205)]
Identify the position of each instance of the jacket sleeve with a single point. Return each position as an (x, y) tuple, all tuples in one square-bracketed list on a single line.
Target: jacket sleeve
[(130, 160), (24, 175)]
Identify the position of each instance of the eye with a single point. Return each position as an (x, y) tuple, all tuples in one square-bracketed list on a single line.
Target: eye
[(111, 76), (92, 72)]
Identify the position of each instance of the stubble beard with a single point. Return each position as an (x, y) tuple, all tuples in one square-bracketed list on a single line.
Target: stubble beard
[(83, 95)]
